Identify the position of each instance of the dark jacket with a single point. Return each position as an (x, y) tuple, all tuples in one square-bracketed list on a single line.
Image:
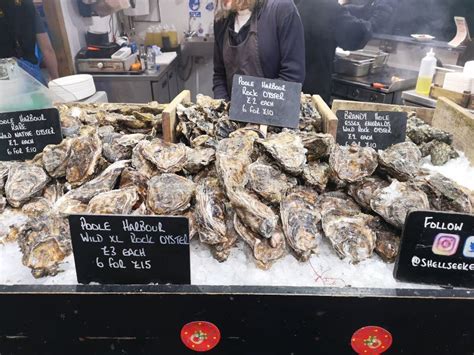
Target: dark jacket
[(18, 30), (280, 40), (329, 25)]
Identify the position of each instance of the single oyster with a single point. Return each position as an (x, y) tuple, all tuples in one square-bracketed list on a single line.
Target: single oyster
[(36, 207), (221, 251), (56, 157), (336, 201), (420, 132), (287, 149), (139, 162), (393, 203), (132, 178), (53, 192), (114, 202), (197, 159), (210, 211), (103, 183), (121, 146), (353, 163), (401, 161), (300, 218), (363, 190), (388, 240), (317, 175), (318, 145), (232, 159), (169, 194), (441, 153), (4, 170), (24, 182), (350, 234), (444, 194), (265, 251), (268, 182), (167, 157), (82, 164), (44, 243), (258, 217), (70, 126)]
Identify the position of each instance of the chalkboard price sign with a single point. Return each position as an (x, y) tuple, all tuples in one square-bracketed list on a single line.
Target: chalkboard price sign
[(265, 101), (130, 249), (437, 248), (25, 134), (378, 130)]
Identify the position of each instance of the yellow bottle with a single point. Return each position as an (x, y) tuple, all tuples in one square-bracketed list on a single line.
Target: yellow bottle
[(426, 74), (423, 85)]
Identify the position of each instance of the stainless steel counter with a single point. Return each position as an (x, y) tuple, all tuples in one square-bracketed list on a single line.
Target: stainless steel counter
[(412, 98), (161, 86)]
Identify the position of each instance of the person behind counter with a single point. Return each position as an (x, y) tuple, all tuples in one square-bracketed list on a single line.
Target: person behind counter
[(21, 30), (262, 38), (328, 25)]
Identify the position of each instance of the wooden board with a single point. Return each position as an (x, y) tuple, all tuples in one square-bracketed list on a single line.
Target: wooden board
[(169, 116), (461, 99), (59, 38), (458, 121), (426, 114), (329, 118)]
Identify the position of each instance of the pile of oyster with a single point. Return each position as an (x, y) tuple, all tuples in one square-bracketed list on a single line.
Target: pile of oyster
[(279, 192)]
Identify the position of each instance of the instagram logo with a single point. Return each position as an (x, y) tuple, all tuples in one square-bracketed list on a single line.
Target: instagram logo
[(446, 244)]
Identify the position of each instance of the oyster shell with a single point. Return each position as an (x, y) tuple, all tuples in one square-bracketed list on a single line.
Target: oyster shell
[(268, 182), (254, 214), (440, 152), (56, 157), (350, 234), (24, 182), (210, 211), (169, 194), (318, 145), (4, 169), (300, 218), (265, 251), (336, 201), (139, 162), (444, 194), (70, 126), (221, 251), (363, 191), (388, 240), (121, 146), (287, 149), (317, 175), (114, 202), (394, 202), (167, 157), (3, 204), (420, 132), (44, 243), (401, 161), (82, 164), (197, 159), (132, 178), (352, 163), (232, 159), (53, 192), (36, 207)]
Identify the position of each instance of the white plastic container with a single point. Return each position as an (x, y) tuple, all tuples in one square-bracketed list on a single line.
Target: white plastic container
[(426, 74), (74, 87), (458, 82)]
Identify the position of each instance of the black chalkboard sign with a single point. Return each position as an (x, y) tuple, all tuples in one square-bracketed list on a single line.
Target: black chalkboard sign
[(24, 134), (378, 130), (265, 101), (437, 248), (131, 249)]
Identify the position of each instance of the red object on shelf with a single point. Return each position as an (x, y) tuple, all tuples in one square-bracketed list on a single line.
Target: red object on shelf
[(371, 340), (200, 336)]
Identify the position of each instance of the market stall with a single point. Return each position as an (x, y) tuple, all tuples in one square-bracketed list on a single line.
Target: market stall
[(272, 215)]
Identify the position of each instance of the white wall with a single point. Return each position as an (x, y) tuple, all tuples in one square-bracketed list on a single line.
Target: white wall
[(77, 26), (176, 12)]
